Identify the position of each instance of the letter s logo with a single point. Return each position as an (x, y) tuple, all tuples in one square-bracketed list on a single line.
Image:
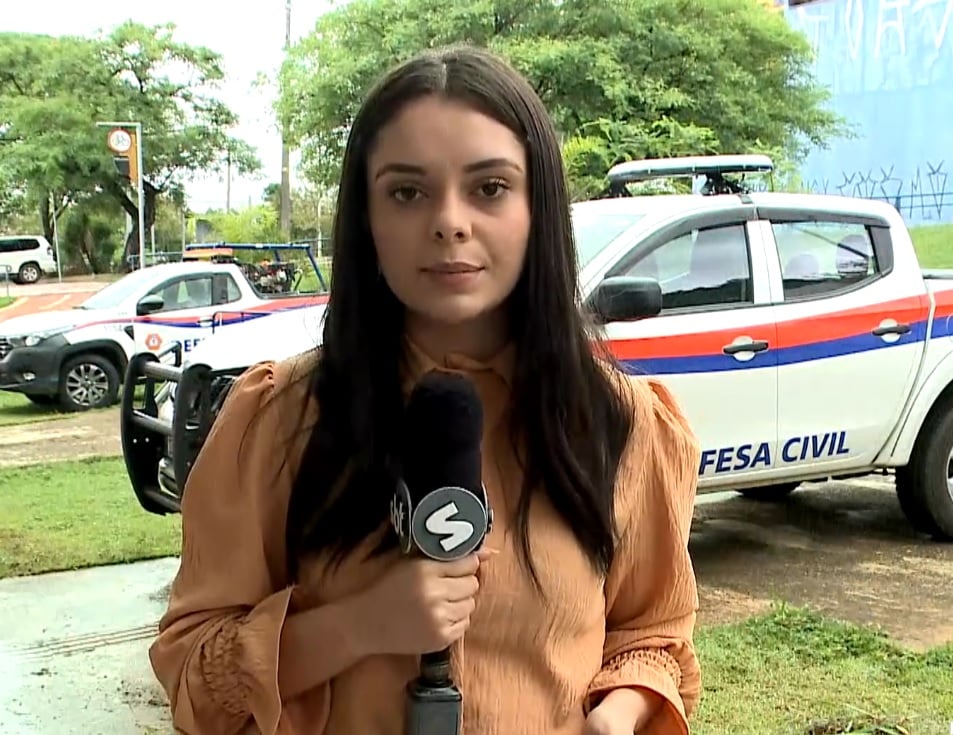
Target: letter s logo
[(448, 523), (455, 532)]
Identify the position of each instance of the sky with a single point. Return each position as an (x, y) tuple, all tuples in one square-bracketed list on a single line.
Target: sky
[(250, 41)]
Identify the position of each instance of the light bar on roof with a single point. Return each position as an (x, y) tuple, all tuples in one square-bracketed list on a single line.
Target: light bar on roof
[(658, 168)]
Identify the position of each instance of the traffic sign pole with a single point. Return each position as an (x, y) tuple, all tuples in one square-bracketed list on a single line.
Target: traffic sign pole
[(121, 142)]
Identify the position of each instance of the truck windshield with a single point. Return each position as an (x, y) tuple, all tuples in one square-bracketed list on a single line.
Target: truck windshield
[(115, 294), (594, 232)]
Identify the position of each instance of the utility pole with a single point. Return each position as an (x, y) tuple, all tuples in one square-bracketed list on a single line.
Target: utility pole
[(284, 218)]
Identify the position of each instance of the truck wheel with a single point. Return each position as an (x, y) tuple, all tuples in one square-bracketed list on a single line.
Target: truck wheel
[(88, 381), (910, 503), (929, 489), (768, 493), (29, 273)]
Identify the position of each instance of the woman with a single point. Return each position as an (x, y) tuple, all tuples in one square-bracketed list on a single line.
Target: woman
[(292, 611)]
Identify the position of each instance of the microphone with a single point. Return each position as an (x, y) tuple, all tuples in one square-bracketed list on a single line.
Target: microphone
[(440, 509)]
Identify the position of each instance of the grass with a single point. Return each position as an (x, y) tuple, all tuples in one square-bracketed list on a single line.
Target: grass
[(71, 515), (793, 671), (934, 245), (6, 301), (18, 409), (787, 671)]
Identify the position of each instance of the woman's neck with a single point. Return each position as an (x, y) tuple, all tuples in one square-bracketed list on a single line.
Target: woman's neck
[(480, 340)]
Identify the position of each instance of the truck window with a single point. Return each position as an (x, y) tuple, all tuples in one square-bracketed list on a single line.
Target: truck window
[(186, 293), (225, 290), (702, 268), (594, 232), (820, 259)]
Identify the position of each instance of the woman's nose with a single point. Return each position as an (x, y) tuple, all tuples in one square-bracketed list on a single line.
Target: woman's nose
[(451, 221)]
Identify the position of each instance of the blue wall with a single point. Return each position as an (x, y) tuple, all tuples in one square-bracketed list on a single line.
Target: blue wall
[(889, 64)]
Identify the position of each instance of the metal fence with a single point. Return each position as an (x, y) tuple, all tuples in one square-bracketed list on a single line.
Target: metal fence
[(175, 256), (6, 273), (927, 208)]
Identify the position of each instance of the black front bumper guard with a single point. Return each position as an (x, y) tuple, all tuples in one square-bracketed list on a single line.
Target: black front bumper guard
[(158, 453)]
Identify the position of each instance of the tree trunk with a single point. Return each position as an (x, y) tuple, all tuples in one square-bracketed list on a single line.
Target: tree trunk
[(89, 248), (131, 249), (46, 219)]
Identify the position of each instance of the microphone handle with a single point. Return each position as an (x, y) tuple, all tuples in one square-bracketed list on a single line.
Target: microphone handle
[(434, 704), (435, 668)]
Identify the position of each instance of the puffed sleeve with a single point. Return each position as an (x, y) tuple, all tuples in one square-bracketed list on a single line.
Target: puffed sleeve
[(651, 594), (216, 654)]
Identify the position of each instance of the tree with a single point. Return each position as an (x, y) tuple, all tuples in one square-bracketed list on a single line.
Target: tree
[(53, 91), (256, 223), (15, 209), (626, 79), (312, 212), (172, 224), (91, 234)]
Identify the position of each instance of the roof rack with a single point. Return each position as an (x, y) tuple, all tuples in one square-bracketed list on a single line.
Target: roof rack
[(713, 168), (302, 245), (223, 251)]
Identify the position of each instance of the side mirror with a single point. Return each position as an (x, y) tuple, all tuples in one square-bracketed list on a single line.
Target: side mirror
[(623, 299), (149, 305)]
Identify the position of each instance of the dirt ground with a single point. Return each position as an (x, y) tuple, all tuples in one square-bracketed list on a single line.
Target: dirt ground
[(843, 547), (94, 434)]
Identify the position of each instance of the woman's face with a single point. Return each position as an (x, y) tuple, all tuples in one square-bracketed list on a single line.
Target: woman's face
[(449, 211)]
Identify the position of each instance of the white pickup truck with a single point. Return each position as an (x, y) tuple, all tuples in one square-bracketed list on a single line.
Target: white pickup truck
[(798, 330), (76, 357)]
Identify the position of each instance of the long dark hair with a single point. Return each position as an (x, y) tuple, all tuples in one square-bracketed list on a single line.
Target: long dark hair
[(568, 420)]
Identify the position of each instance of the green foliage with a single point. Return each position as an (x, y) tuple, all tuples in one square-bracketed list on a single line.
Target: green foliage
[(312, 212), (622, 80), (793, 670), (91, 234), (257, 223), (54, 91)]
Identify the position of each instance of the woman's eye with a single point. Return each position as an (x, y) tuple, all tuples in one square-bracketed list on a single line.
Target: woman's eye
[(404, 193), (493, 189)]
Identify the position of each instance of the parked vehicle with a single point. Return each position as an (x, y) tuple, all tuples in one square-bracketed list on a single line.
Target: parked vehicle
[(267, 285), (798, 331), (77, 357), (26, 258)]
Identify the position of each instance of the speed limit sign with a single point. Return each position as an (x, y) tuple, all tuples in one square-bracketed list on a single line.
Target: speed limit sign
[(119, 141)]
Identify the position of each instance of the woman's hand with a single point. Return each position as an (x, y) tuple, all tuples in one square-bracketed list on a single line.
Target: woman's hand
[(420, 605), (623, 712)]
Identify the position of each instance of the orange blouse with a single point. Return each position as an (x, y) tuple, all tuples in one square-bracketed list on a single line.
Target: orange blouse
[(526, 666)]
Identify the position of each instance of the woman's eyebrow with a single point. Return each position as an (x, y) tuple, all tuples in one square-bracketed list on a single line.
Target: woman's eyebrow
[(410, 168)]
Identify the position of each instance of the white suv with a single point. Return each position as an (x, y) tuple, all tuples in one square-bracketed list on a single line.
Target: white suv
[(25, 258)]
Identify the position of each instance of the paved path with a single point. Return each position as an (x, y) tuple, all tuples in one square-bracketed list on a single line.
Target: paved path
[(43, 302), (47, 295), (73, 651)]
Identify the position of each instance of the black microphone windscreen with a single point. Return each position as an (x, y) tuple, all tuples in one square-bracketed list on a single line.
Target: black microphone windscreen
[(443, 433)]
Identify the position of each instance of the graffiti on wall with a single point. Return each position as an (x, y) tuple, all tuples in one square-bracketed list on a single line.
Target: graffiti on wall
[(925, 196), (889, 66), (878, 45)]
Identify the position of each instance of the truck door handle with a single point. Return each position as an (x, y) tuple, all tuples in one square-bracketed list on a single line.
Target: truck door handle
[(205, 321), (757, 345), (893, 329)]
